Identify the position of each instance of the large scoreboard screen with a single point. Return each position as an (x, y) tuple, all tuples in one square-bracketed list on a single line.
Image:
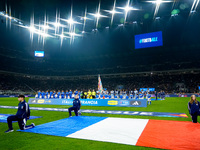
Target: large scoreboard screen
[(153, 39)]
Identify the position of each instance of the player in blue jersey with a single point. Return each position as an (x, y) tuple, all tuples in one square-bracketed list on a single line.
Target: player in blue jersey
[(106, 96), (194, 108), (54, 94), (70, 93), (131, 96), (43, 94), (39, 94), (62, 94), (66, 94), (79, 93), (47, 94), (23, 113), (137, 96), (76, 92), (58, 94), (109, 96), (101, 95), (121, 96), (76, 106), (51, 94), (97, 96)]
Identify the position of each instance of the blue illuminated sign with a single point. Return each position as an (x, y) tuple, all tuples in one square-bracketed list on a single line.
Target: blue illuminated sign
[(39, 53), (148, 40), (145, 89), (92, 102)]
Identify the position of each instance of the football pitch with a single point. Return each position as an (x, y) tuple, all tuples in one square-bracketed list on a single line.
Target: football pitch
[(25, 140)]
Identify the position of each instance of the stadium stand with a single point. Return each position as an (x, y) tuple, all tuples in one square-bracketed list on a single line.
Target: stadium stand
[(172, 82)]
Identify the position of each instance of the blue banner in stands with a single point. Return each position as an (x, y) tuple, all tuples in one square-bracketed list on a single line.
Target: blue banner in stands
[(92, 102)]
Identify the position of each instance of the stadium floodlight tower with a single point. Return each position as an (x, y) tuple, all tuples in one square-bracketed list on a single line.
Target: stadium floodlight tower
[(127, 8), (97, 15), (158, 3), (113, 12)]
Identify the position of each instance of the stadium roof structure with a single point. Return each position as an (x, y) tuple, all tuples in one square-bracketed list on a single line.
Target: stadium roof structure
[(97, 32)]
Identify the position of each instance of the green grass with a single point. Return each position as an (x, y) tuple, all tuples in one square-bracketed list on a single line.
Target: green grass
[(22, 140)]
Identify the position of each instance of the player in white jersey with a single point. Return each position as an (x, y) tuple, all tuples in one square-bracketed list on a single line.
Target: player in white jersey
[(130, 92), (116, 93), (73, 95), (36, 96), (106, 92), (141, 95), (97, 92), (135, 93), (147, 90), (112, 93), (148, 97), (142, 91)]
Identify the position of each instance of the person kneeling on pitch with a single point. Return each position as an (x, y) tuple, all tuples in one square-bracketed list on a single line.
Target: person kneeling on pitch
[(194, 108), (23, 113), (76, 106)]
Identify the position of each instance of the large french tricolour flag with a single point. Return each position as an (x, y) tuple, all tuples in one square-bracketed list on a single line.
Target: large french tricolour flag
[(141, 132)]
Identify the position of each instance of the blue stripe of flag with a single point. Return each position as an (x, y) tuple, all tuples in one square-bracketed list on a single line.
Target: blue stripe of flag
[(65, 127)]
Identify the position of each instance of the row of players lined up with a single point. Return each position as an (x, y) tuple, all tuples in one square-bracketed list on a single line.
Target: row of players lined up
[(122, 94)]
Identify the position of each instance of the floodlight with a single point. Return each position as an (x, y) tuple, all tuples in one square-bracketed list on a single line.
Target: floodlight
[(56, 24), (32, 29)]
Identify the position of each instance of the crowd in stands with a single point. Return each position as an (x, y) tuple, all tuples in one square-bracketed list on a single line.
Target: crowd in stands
[(167, 82)]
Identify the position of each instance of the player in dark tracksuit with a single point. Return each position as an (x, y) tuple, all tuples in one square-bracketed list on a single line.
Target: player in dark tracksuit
[(193, 107), (76, 106), (23, 113), (156, 95)]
